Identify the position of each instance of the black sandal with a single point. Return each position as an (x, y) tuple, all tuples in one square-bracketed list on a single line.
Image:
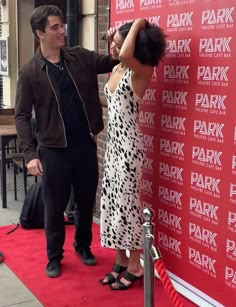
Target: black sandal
[(110, 278), (129, 277)]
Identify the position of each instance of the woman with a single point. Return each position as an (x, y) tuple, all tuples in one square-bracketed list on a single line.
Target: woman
[(139, 46)]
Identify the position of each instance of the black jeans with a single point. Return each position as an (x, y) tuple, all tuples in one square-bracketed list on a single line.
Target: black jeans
[(62, 168)]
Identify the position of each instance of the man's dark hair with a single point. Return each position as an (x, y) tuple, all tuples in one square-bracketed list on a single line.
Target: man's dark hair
[(150, 43), (39, 17)]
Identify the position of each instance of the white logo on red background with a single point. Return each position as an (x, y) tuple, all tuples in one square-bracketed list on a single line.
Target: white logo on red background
[(231, 249), (205, 184), (147, 119), (212, 75), (180, 2), (203, 236), (173, 124), (217, 19), (170, 197), (203, 210), (232, 193), (154, 20), (174, 99), (148, 165), (149, 97), (149, 142), (205, 157), (179, 22), (230, 277), (120, 23), (124, 6), (150, 4), (210, 103), (172, 149), (178, 48), (176, 74), (232, 221), (208, 131), (146, 204), (146, 187), (170, 221), (202, 261), (170, 244), (171, 173), (215, 47), (234, 164)]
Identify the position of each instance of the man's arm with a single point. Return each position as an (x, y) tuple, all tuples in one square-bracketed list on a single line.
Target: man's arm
[(23, 114)]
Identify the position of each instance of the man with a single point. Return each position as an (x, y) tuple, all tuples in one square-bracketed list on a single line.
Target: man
[(60, 84)]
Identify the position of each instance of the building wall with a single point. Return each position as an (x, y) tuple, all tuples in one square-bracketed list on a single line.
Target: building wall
[(102, 47)]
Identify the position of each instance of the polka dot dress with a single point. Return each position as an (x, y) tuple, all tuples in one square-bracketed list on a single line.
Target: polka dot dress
[(121, 212)]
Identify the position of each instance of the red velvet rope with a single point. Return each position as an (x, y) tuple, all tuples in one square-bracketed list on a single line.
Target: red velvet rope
[(173, 295)]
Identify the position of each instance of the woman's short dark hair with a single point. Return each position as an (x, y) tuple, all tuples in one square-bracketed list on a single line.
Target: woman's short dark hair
[(150, 43), (39, 17)]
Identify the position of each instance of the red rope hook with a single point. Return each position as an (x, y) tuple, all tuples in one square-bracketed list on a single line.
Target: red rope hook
[(173, 295)]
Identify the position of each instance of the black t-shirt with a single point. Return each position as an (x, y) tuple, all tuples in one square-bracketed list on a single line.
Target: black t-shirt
[(76, 125)]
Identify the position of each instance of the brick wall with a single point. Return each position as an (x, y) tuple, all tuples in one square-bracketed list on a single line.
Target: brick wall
[(103, 24)]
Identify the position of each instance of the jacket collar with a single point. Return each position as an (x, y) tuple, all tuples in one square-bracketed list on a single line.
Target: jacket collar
[(41, 59)]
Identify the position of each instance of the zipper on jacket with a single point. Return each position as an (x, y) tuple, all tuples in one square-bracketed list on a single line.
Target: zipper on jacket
[(58, 105), (82, 102)]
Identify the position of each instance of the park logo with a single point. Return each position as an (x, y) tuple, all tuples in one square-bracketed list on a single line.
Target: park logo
[(205, 184), (174, 99), (171, 173), (124, 6), (230, 277), (203, 236), (172, 149), (148, 166), (149, 97), (217, 19), (179, 22), (146, 187), (201, 261), (210, 103), (170, 221), (180, 2), (179, 48), (215, 47), (170, 197), (150, 4), (231, 249), (212, 75), (147, 119), (208, 131), (232, 193), (208, 158), (177, 74), (170, 244), (232, 221), (173, 124), (149, 142), (203, 210)]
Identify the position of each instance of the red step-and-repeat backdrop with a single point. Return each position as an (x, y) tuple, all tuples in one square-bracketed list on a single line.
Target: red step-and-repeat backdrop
[(188, 117)]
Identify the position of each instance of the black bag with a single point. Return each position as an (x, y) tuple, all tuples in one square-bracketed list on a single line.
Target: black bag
[(32, 212)]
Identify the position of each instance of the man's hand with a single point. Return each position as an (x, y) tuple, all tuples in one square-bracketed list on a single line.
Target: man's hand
[(35, 167), (110, 34)]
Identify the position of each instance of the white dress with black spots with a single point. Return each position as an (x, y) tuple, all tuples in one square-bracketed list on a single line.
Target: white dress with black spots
[(121, 212)]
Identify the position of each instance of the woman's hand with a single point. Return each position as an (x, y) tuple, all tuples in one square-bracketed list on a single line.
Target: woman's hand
[(141, 22)]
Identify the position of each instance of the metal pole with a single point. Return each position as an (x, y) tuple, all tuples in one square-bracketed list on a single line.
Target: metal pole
[(72, 22), (148, 263)]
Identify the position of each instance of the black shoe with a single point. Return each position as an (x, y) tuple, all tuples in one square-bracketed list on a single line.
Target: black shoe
[(53, 269), (86, 255)]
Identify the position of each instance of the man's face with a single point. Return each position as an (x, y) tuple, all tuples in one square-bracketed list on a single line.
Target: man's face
[(54, 35)]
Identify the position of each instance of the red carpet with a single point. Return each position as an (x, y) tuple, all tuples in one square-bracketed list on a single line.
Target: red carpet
[(25, 255)]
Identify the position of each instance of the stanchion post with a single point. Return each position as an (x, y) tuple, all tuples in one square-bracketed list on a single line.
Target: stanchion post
[(148, 262)]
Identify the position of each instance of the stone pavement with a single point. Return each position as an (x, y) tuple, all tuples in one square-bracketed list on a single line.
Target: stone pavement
[(13, 292)]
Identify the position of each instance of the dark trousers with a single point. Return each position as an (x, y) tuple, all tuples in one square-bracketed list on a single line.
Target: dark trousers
[(62, 168)]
